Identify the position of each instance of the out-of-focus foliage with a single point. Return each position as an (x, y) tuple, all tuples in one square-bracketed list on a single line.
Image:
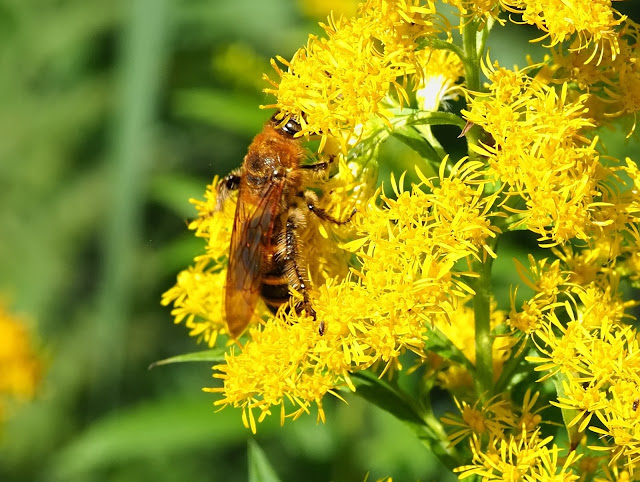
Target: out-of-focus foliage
[(113, 114)]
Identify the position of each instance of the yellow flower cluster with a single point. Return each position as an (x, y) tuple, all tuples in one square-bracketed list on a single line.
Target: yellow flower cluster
[(598, 358), (538, 150), (577, 320), (412, 284), (192, 294), (612, 83), (20, 367), (521, 456), (407, 281), (506, 442), (335, 84), (587, 23)]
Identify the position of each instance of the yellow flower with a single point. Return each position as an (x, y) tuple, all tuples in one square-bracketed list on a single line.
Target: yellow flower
[(612, 82), (481, 9), (584, 22), (196, 296), (486, 421), (524, 456), (539, 151), (337, 83), (408, 248), (20, 366)]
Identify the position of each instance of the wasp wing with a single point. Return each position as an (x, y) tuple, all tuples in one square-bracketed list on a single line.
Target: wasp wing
[(252, 229)]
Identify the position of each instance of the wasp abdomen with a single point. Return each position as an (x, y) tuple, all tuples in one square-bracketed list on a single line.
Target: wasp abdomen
[(275, 287)]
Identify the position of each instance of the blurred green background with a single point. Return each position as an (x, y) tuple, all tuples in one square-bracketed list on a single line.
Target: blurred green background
[(114, 114)]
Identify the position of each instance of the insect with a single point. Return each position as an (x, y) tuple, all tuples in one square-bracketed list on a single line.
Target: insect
[(274, 202), (635, 404)]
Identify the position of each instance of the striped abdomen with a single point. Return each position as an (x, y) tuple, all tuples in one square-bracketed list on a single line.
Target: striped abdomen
[(275, 286)]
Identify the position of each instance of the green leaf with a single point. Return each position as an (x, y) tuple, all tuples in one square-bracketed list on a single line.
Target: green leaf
[(260, 469), (399, 404), (162, 428), (568, 414), (212, 356), (410, 137), (389, 398), (438, 342), (416, 117)]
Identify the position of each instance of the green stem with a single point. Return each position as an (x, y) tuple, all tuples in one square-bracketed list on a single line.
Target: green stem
[(484, 340), (471, 61), (469, 29)]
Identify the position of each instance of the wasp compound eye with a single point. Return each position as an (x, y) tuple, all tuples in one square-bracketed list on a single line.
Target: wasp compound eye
[(291, 127)]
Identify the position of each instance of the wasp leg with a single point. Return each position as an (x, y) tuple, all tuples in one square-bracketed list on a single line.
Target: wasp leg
[(311, 199), (319, 167), (292, 260)]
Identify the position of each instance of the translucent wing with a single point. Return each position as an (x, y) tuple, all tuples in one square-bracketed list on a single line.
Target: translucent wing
[(252, 228)]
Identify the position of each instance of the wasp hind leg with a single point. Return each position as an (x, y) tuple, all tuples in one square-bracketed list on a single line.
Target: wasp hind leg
[(294, 266)]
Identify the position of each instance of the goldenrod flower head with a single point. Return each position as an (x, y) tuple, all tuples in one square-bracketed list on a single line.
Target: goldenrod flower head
[(481, 9), (196, 295), (408, 248), (408, 278), (20, 366), (525, 456), (586, 23), (337, 83), (598, 357), (479, 421), (612, 82), (539, 152)]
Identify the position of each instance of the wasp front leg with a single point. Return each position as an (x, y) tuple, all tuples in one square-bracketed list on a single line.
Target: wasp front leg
[(319, 170)]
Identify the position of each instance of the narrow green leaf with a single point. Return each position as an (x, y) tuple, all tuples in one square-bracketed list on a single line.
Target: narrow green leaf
[(394, 401), (384, 395), (260, 469), (437, 342), (162, 428), (416, 117), (212, 356), (410, 137), (568, 414)]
